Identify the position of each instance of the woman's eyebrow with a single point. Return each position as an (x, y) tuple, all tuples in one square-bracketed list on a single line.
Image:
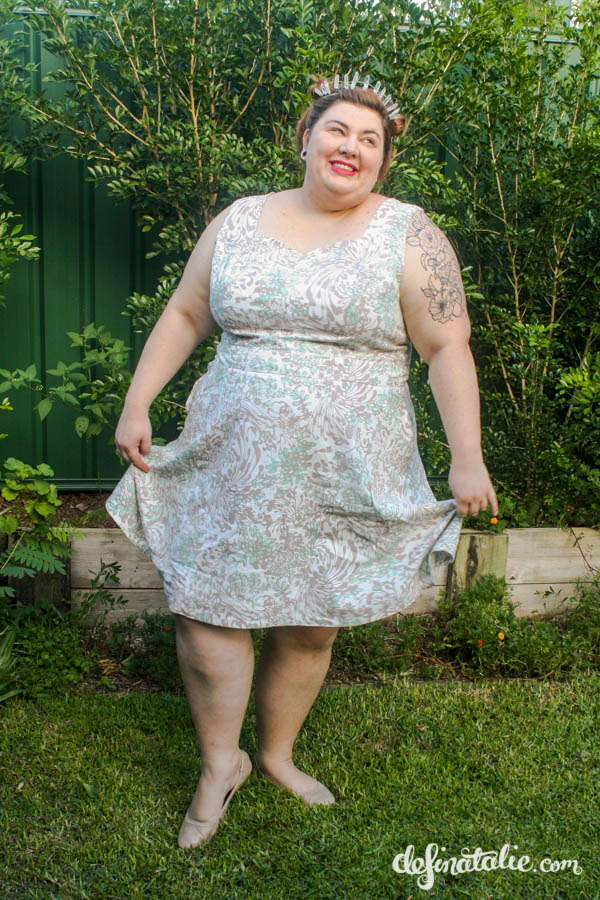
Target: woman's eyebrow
[(365, 130)]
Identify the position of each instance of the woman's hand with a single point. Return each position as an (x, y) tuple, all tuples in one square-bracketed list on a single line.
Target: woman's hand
[(134, 436), (472, 488)]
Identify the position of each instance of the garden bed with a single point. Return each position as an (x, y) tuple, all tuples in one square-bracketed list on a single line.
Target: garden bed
[(542, 566), (85, 509)]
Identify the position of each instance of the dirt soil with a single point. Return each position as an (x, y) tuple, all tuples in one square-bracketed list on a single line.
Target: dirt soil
[(84, 509)]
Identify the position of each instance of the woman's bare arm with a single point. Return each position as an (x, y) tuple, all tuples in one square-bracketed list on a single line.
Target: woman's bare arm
[(185, 321), (435, 312)]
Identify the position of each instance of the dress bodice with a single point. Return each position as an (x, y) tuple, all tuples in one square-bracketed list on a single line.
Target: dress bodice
[(336, 301)]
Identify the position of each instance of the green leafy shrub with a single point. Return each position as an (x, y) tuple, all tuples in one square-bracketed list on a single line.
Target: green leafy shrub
[(93, 605), (581, 623), (31, 503), (14, 245), (7, 664), (155, 656), (485, 637), (361, 648), (97, 399), (51, 652)]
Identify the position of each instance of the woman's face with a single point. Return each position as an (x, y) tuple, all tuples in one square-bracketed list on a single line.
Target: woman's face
[(350, 134)]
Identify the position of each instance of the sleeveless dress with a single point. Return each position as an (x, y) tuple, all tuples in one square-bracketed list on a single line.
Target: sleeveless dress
[(295, 494)]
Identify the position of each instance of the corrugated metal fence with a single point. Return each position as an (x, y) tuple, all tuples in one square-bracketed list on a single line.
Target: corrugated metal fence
[(91, 260)]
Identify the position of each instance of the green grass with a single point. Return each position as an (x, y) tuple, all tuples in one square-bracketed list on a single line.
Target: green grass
[(107, 778)]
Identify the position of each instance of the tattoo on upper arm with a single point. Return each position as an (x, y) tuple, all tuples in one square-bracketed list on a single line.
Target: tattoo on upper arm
[(445, 290)]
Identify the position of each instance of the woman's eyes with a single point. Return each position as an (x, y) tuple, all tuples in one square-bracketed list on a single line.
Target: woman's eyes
[(337, 128)]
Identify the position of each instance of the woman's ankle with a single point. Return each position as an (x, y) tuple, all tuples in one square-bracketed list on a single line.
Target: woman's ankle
[(218, 766)]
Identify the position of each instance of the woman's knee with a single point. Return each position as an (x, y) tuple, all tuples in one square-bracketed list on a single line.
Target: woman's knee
[(304, 637), (193, 630), (210, 644)]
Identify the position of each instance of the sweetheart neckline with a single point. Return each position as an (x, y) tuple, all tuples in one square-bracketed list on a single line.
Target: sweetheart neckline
[(301, 253)]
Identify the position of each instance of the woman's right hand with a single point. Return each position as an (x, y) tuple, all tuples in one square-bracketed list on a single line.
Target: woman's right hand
[(134, 437)]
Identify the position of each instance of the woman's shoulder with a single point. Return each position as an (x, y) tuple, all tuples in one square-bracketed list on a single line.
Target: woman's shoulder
[(239, 207), (402, 214), (401, 205)]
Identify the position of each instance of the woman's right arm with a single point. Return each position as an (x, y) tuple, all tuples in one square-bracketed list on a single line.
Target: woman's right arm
[(185, 321)]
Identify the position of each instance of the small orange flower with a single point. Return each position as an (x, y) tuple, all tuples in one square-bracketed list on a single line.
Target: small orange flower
[(167, 627), (494, 520), (480, 642), (501, 635)]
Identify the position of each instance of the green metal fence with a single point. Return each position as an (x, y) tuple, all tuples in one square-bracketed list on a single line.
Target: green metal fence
[(91, 260)]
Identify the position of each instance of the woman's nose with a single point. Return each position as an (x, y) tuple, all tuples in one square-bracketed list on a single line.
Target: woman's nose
[(349, 145)]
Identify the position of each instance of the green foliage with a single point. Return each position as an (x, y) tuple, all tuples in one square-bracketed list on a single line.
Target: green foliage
[(582, 618), (518, 121), (155, 656), (96, 385), (30, 503), (51, 654), (54, 649), (485, 637), (97, 399), (380, 648), (178, 110), (94, 605), (27, 486), (14, 245), (146, 649), (7, 663), (362, 649), (580, 441)]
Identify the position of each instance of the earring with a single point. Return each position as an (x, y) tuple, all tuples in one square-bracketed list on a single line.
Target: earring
[(304, 153)]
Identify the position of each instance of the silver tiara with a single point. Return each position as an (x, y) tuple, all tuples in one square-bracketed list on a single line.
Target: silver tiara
[(391, 108)]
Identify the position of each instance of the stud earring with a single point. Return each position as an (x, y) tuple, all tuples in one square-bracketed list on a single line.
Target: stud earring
[(304, 154)]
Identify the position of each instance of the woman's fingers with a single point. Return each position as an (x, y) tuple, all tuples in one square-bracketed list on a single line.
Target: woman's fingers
[(472, 488), (133, 455), (134, 437), (136, 459), (468, 507)]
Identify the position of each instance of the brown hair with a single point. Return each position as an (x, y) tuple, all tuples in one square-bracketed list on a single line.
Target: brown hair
[(361, 97)]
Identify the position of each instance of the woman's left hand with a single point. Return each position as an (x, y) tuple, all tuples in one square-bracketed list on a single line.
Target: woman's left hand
[(472, 488)]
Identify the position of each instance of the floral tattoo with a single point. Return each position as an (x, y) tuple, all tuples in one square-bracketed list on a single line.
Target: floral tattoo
[(445, 290)]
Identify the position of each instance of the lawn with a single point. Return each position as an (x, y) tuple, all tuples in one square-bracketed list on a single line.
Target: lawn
[(94, 786)]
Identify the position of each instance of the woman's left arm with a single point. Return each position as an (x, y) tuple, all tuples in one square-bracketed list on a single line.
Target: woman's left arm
[(433, 304)]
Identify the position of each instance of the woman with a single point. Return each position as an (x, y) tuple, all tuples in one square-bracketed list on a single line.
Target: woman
[(294, 498)]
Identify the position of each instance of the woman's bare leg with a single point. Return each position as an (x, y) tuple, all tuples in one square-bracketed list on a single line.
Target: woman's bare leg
[(216, 666), (293, 663)]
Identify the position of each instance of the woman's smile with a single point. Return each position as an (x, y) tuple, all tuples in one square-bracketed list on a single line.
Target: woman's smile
[(343, 168)]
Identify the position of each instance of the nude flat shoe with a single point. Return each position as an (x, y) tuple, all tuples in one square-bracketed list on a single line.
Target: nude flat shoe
[(319, 796), (194, 832)]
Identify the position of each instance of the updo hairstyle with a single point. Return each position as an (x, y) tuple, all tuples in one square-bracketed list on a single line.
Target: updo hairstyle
[(361, 97)]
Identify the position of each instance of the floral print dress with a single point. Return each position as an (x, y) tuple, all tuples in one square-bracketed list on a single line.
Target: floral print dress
[(295, 494)]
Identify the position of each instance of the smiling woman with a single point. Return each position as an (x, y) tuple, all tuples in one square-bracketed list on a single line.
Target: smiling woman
[(294, 498), (378, 133)]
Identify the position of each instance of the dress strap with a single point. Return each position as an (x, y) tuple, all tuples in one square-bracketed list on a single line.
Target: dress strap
[(393, 231), (240, 221)]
